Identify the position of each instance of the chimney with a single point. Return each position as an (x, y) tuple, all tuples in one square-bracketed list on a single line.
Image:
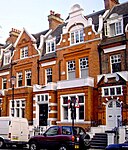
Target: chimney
[(54, 20), (110, 3), (13, 35)]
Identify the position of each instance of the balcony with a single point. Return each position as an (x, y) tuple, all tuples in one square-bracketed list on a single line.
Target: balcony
[(75, 83)]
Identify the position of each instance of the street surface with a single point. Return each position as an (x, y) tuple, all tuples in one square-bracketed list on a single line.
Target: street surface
[(14, 147)]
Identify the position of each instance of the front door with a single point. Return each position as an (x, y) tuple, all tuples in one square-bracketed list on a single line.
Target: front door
[(43, 114), (113, 114)]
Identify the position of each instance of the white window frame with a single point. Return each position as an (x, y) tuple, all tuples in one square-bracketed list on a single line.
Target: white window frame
[(46, 74), (75, 36), (73, 69), (115, 20), (39, 101), (83, 66), (117, 56), (24, 52), (26, 72), (69, 110), (115, 91), (4, 80), (19, 73), (21, 107), (49, 46), (7, 58), (44, 100)]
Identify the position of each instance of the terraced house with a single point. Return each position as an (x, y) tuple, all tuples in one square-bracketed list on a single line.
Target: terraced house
[(80, 61)]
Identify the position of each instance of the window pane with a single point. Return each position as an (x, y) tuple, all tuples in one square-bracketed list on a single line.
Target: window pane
[(28, 77), (112, 91), (49, 75), (110, 105), (72, 38), (118, 28), (77, 36), (71, 69), (42, 97), (66, 112), (38, 98), (4, 83), (118, 104), (23, 112), (112, 29), (118, 90), (116, 63), (81, 99), (81, 35), (106, 92), (46, 97), (81, 112), (24, 52), (65, 100)]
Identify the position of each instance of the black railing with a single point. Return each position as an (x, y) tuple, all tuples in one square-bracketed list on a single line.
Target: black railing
[(95, 123)]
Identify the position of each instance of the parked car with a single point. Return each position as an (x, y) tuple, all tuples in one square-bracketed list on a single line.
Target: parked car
[(122, 146), (61, 138)]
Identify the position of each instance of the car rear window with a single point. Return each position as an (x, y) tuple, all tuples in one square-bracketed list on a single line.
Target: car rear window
[(66, 130), (78, 130)]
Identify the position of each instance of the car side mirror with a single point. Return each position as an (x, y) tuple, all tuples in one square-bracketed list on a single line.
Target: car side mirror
[(45, 134)]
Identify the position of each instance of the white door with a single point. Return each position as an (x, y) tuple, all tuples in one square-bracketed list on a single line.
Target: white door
[(113, 114)]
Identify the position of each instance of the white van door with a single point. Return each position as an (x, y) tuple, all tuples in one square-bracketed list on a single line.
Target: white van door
[(15, 130), (24, 130)]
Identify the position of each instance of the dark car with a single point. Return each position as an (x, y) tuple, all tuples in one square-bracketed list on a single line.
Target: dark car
[(122, 146), (61, 138)]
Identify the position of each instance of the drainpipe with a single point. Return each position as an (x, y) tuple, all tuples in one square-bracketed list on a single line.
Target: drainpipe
[(59, 70), (38, 71), (99, 52)]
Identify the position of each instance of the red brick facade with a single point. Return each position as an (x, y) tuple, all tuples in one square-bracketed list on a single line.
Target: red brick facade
[(47, 78)]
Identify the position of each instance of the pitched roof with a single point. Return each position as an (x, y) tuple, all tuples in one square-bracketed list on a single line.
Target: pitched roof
[(95, 16), (57, 32), (120, 9), (37, 36)]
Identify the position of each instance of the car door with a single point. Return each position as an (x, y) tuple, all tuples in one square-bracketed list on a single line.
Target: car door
[(51, 137)]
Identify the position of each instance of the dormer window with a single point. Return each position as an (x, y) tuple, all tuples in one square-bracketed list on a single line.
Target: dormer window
[(50, 46), (114, 25), (116, 28), (7, 57), (24, 52), (76, 34)]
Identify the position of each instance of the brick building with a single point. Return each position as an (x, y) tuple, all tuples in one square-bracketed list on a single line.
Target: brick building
[(73, 61)]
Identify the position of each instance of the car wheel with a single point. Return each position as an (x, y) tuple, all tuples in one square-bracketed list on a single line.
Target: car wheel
[(2, 144), (63, 147), (33, 146)]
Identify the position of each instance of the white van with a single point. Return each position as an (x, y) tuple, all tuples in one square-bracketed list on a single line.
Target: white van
[(13, 131)]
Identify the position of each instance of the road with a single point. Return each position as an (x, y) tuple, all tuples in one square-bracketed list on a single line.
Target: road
[(15, 148)]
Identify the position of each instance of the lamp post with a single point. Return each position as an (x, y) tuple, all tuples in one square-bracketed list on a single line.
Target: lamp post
[(73, 111), (13, 78), (73, 104)]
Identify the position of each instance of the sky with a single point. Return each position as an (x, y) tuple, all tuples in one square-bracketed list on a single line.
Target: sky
[(33, 14)]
